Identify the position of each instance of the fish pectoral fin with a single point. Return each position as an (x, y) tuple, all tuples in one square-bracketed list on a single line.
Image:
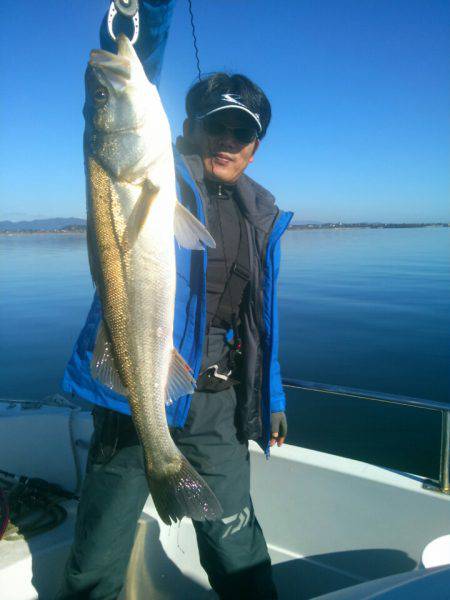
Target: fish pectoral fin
[(189, 232), (103, 367), (180, 380), (139, 214)]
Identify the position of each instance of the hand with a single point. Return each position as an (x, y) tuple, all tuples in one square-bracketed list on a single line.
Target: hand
[(278, 428)]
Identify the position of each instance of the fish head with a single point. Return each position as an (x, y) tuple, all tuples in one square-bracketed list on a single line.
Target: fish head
[(126, 125)]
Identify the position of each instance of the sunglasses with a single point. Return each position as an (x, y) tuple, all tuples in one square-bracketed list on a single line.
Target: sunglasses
[(244, 135)]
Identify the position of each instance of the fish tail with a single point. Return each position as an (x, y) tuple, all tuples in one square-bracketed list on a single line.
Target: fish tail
[(184, 494)]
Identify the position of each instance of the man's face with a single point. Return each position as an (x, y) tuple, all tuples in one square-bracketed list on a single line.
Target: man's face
[(216, 138)]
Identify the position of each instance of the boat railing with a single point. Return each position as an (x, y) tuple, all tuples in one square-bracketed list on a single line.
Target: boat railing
[(443, 483), (55, 400)]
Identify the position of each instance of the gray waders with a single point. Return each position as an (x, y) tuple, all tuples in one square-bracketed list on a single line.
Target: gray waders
[(233, 551)]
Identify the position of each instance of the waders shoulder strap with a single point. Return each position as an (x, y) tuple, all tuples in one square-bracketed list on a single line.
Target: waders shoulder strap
[(239, 276)]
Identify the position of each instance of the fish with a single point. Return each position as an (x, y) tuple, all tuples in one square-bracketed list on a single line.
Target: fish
[(133, 216)]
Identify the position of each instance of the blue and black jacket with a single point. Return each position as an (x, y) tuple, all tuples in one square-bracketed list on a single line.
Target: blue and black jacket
[(260, 392)]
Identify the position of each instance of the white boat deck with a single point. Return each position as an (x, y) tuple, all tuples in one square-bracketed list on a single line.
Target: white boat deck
[(330, 522)]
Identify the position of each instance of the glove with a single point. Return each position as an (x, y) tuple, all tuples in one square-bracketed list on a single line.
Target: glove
[(278, 428)]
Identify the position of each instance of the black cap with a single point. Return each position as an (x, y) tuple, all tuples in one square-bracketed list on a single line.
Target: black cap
[(226, 102)]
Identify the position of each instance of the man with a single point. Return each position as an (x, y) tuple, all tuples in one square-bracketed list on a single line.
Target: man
[(226, 328)]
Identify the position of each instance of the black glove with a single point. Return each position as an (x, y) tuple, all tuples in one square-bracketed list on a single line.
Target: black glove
[(278, 428)]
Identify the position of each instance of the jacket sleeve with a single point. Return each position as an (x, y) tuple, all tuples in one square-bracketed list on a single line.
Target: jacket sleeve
[(277, 397), (154, 21)]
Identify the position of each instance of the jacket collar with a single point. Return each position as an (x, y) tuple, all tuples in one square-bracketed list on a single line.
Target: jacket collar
[(257, 203)]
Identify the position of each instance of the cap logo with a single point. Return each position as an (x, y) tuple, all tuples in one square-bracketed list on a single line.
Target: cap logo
[(233, 98)]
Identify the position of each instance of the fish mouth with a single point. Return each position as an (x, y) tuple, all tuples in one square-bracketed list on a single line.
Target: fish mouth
[(117, 68)]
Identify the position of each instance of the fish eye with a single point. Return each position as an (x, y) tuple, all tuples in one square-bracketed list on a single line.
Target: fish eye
[(101, 96)]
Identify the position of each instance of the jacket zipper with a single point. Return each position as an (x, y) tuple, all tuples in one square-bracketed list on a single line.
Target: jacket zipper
[(261, 324)]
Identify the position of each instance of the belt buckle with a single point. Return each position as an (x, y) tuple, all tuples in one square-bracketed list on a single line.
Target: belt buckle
[(215, 369)]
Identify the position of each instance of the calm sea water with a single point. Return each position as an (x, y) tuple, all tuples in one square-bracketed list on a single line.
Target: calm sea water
[(361, 308)]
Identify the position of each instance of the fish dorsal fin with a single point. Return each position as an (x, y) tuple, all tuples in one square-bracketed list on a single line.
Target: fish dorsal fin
[(103, 367), (139, 214), (189, 232), (180, 380)]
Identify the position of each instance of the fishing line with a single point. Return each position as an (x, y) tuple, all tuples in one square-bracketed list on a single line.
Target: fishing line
[(195, 40)]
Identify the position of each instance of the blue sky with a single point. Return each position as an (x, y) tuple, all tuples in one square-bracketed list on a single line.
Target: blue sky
[(359, 90)]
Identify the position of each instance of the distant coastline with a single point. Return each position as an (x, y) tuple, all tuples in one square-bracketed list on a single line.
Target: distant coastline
[(64, 230), (53, 225), (364, 225), (75, 225)]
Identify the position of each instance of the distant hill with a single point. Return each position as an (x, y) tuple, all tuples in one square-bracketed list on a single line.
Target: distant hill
[(43, 224)]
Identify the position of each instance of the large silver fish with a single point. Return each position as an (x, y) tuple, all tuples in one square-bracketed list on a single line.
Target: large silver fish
[(132, 217)]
